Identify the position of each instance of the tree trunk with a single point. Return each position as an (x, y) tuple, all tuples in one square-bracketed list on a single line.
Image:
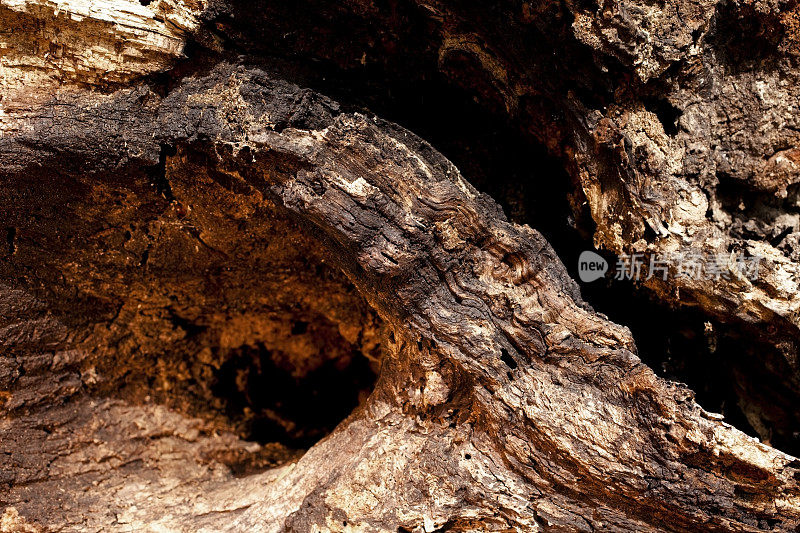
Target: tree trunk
[(207, 268)]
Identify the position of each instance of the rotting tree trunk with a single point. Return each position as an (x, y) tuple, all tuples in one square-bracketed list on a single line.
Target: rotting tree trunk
[(152, 233)]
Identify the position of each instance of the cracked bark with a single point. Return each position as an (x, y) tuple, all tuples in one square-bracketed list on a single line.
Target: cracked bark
[(155, 230)]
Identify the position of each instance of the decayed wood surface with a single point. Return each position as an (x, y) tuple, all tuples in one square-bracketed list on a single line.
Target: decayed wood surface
[(503, 400)]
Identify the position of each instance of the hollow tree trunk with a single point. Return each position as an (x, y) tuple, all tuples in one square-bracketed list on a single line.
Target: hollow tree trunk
[(162, 227)]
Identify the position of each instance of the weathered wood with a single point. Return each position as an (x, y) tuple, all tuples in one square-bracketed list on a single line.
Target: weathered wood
[(153, 229), (503, 400)]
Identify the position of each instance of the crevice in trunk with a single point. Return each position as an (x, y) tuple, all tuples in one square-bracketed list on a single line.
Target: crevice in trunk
[(271, 400)]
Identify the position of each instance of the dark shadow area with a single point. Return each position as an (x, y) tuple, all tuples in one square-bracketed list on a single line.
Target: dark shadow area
[(272, 403), (744, 37), (667, 114)]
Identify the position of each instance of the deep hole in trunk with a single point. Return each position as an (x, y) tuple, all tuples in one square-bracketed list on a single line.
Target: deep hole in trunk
[(216, 305), (273, 401)]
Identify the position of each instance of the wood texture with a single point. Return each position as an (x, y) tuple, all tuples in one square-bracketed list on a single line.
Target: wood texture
[(155, 229)]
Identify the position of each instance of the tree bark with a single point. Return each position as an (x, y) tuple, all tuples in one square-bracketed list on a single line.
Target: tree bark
[(166, 232)]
